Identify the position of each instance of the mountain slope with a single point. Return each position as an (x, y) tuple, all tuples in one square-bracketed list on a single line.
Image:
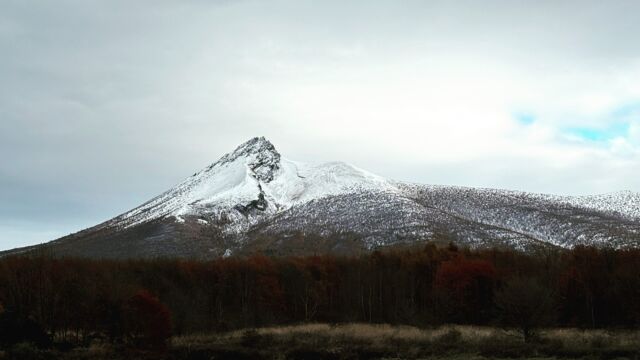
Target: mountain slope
[(253, 200)]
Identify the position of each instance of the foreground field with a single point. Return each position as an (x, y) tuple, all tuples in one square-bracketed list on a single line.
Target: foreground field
[(365, 341)]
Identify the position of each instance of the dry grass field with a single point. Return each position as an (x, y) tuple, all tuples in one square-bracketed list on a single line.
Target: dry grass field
[(367, 341)]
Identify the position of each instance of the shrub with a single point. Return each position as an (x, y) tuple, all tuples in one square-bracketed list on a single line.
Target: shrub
[(15, 329), (250, 338), (526, 304), (599, 342), (26, 351), (448, 341), (452, 336), (147, 321)]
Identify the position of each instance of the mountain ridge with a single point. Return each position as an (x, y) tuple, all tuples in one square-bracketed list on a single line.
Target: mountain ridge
[(254, 200)]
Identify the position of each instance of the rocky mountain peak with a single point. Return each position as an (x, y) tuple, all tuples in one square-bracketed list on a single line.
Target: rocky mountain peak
[(262, 157), (256, 145)]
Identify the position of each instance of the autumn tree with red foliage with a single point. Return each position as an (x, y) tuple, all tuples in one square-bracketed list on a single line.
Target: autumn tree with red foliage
[(147, 322), (466, 289)]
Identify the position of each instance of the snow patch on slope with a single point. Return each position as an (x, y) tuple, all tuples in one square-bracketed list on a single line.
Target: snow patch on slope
[(622, 203), (298, 182)]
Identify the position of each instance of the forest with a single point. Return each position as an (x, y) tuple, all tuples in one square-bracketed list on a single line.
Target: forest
[(143, 303)]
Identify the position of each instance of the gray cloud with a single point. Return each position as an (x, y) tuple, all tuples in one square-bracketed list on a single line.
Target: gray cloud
[(104, 104)]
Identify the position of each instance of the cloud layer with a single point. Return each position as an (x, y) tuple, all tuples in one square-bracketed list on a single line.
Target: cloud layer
[(104, 104)]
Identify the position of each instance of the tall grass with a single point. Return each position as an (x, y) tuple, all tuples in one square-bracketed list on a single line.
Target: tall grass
[(410, 342)]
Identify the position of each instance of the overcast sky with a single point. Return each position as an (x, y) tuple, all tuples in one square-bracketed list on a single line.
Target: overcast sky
[(105, 104)]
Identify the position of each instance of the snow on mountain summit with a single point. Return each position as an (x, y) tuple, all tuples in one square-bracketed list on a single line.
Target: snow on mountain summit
[(253, 180), (262, 158)]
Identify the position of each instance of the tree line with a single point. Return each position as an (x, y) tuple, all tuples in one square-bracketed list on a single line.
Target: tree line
[(143, 302)]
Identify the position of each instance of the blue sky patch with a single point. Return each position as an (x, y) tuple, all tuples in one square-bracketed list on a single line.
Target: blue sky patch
[(626, 110), (525, 118), (617, 129)]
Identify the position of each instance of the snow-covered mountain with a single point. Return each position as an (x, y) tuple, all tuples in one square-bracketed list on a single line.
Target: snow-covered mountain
[(254, 200), (250, 183)]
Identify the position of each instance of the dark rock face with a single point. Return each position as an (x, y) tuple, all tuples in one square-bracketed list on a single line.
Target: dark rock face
[(255, 205), (264, 158)]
